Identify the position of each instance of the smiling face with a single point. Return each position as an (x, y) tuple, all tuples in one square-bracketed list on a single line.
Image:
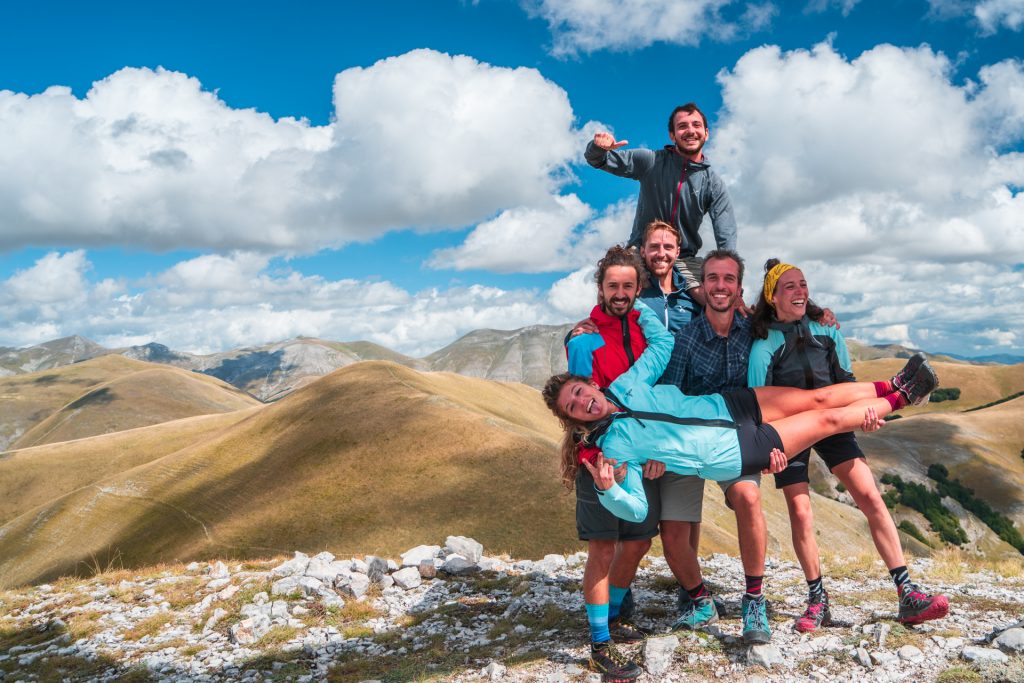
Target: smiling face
[(721, 283), (660, 251), (791, 296), (688, 133), (583, 401), (618, 290)]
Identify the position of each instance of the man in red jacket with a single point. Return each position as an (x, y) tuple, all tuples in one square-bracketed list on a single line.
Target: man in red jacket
[(614, 547)]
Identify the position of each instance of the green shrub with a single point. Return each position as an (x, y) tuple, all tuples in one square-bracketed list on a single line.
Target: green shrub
[(911, 529), (999, 523), (945, 394)]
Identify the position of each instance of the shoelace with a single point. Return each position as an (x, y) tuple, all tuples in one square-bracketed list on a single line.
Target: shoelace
[(756, 612), (913, 593)]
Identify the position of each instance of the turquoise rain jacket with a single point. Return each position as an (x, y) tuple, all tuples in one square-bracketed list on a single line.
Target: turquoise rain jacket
[(692, 435)]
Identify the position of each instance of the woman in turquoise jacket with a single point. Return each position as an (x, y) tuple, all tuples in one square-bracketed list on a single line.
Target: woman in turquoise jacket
[(792, 350), (717, 437)]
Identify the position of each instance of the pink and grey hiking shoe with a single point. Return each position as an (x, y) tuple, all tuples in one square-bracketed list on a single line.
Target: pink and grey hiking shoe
[(815, 616), (916, 606)]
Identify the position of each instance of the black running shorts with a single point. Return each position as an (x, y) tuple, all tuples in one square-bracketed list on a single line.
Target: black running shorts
[(756, 438), (834, 450), (595, 523)]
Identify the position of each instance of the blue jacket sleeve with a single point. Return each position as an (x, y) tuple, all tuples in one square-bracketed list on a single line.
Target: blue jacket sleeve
[(757, 364), (627, 500), (653, 361), (723, 220), (625, 163), (580, 351)]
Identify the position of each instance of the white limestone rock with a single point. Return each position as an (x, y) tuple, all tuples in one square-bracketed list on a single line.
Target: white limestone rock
[(467, 547), (658, 654), (218, 570), (248, 631), (293, 567), (407, 578), (764, 655), (421, 553), (909, 653), (1011, 641), (355, 585), (972, 653), (493, 671)]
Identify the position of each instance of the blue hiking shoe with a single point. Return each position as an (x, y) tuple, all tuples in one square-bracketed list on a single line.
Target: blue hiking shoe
[(755, 620), (696, 614)]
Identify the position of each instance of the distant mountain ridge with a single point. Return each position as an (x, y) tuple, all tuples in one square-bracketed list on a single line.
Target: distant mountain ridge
[(271, 371)]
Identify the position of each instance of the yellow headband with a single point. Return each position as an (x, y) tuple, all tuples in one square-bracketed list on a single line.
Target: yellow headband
[(772, 279)]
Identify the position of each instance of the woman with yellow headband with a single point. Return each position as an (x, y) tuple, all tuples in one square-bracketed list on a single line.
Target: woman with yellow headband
[(792, 350)]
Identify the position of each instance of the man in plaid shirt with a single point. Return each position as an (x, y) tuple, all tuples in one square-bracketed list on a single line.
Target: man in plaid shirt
[(710, 357)]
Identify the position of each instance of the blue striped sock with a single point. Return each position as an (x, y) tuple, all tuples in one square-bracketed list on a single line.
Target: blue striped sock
[(615, 596), (597, 617)]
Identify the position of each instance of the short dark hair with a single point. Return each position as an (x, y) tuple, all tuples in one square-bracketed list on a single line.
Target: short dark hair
[(689, 108), (721, 255), (621, 256)]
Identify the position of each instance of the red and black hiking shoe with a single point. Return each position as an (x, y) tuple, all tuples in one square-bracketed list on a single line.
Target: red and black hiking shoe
[(816, 615), (613, 666), (916, 606)]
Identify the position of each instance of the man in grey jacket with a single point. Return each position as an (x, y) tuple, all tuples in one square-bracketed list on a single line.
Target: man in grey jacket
[(677, 185)]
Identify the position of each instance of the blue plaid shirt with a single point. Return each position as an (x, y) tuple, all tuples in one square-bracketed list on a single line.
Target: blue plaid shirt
[(704, 363)]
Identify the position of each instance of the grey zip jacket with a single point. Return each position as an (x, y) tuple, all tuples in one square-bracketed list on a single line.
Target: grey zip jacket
[(668, 193)]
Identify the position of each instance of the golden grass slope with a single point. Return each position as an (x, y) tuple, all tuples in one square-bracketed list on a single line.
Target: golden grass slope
[(150, 395), (981, 448), (978, 384), (26, 400), (373, 458)]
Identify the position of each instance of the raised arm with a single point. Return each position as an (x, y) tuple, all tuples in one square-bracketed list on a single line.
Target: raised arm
[(603, 153), (653, 361)]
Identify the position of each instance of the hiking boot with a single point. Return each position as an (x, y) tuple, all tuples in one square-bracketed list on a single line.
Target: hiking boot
[(755, 619), (816, 615), (921, 385), (903, 377), (916, 606), (697, 613), (613, 666), (624, 632), (684, 599), (627, 607)]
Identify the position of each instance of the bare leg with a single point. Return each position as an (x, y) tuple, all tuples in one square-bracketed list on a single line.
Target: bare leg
[(626, 560), (677, 539), (745, 498), (858, 480), (779, 402), (595, 573), (800, 432), (801, 524)]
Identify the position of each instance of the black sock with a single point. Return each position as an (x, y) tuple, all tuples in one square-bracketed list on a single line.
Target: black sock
[(698, 592), (900, 576), (754, 585), (815, 589)]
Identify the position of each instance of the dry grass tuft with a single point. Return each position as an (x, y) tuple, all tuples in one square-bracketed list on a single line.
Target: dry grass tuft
[(149, 626)]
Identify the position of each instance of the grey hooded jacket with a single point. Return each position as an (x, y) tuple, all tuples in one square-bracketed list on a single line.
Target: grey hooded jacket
[(667, 194)]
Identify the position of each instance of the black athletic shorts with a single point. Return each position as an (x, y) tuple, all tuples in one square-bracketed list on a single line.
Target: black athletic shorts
[(834, 450), (756, 438), (595, 523)]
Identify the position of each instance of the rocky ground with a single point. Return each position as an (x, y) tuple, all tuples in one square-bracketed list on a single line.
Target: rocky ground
[(449, 613)]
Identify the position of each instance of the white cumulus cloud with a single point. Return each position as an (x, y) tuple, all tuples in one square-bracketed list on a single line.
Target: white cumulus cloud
[(591, 25), (149, 158)]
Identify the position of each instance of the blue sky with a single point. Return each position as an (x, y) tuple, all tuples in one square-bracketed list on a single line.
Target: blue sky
[(210, 175)]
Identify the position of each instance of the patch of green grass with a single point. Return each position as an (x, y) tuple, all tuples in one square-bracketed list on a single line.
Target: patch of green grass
[(959, 674), (278, 635), (149, 626)]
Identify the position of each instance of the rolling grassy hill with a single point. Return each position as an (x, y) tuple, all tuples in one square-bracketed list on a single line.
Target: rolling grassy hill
[(373, 458), (105, 394), (148, 396)]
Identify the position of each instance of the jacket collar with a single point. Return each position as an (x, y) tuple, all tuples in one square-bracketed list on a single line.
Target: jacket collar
[(605, 321), (703, 163)]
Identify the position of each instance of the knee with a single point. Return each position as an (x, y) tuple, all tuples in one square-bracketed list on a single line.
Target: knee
[(832, 419), (674, 532), (800, 513), (745, 499), (635, 550), (600, 553)]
